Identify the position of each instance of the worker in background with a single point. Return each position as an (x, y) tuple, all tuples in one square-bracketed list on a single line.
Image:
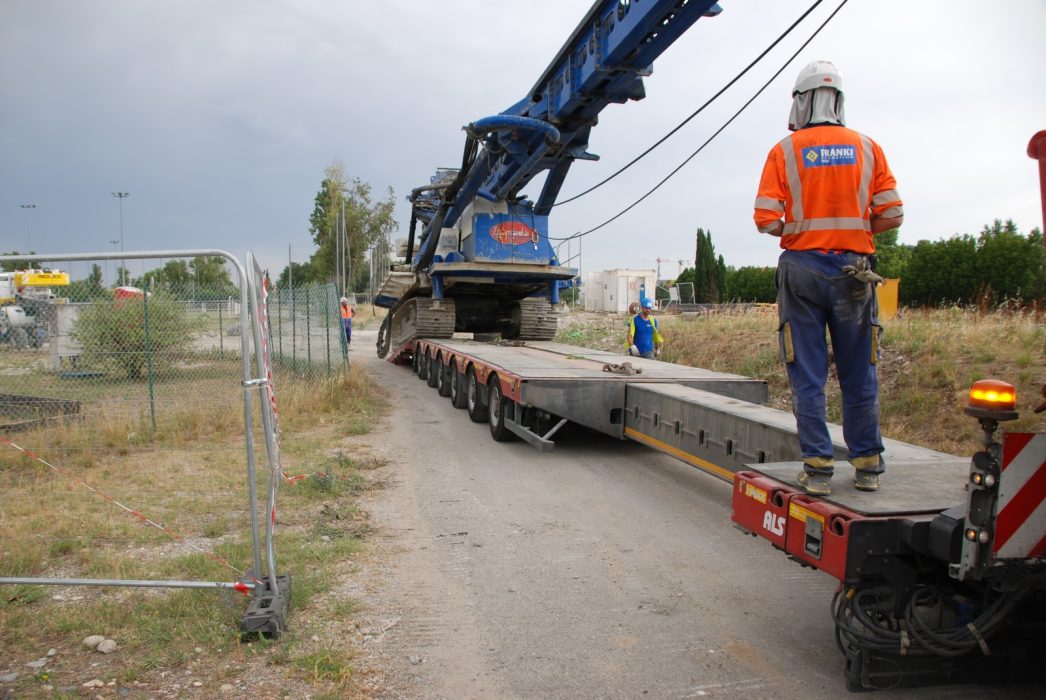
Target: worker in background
[(346, 319), (826, 190), (644, 339)]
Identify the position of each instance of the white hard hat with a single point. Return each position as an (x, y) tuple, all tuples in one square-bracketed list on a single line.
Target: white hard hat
[(817, 75), (344, 300)]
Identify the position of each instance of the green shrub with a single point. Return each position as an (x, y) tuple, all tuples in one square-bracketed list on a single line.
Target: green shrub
[(114, 332)]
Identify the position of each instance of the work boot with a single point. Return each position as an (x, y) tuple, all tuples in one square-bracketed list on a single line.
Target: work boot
[(866, 481), (815, 484), (866, 478)]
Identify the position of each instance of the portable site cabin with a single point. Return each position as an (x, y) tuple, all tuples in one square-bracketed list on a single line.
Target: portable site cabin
[(613, 290)]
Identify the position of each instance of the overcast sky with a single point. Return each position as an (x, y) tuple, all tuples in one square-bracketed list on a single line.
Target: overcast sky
[(219, 118)]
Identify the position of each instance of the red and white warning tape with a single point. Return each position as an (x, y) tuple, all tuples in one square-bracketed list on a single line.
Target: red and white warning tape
[(238, 585)]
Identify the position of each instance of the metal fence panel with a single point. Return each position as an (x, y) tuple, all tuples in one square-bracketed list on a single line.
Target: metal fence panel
[(100, 390)]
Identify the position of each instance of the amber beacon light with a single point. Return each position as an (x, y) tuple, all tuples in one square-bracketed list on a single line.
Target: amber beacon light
[(993, 395)]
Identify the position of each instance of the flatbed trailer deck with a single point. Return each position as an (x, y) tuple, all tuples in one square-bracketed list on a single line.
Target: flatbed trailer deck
[(716, 421)]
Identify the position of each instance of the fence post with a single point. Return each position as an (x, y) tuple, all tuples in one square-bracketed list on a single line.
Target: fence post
[(294, 330), (149, 356), (327, 324), (308, 327), (221, 333)]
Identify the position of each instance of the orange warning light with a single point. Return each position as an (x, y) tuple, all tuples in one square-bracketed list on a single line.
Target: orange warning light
[(993, 394)]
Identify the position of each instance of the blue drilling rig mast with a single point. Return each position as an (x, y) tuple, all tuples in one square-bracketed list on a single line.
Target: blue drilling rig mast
[(483, 262)]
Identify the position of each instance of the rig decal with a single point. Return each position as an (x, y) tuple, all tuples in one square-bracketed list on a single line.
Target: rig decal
[(513, 233)]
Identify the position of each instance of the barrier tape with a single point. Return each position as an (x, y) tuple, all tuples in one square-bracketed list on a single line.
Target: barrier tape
[(299, 477), (239, 585), (262, 314)]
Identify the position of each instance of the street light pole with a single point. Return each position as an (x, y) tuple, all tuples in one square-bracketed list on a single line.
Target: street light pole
[(28, 245), (123, 263)]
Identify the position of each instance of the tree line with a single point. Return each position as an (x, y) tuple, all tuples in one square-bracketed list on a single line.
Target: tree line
[(346, 207), (999, 266)]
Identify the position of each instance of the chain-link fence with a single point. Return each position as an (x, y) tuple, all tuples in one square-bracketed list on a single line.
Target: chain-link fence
[(307, 331)]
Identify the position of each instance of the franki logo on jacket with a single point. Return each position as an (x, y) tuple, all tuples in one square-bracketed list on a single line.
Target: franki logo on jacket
[(513, 233), (816, 156)]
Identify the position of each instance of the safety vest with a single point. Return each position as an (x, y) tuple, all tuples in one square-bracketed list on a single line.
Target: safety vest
[(346, 311), (826, 182), (639, 337)]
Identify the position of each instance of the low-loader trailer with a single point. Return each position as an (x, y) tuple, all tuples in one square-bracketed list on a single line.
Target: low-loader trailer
[(942, 571)]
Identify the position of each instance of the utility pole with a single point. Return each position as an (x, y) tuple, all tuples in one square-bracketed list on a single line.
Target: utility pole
[(290, 269), (28, 245), (115, 243), (123, 263), (338, 261)]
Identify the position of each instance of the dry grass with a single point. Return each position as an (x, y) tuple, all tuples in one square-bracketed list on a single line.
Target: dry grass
[(368, 316), (929, 360)]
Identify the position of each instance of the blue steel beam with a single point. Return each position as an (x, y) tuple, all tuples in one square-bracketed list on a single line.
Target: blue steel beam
[(603, 62)]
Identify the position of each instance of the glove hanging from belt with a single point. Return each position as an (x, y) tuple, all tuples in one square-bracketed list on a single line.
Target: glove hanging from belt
[(862, 272)]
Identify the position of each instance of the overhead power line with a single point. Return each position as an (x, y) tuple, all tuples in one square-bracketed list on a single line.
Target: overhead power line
[(710, 138), (696, 112)]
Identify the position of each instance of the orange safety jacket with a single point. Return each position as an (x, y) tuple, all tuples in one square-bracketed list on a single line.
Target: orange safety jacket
[(346, 311), (826, 182)]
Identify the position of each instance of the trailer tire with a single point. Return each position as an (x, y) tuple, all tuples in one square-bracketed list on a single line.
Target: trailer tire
[(498, 408), (415, 365), (474, 398), (423, 366), (433, 374), (457, 389), (443, 378)]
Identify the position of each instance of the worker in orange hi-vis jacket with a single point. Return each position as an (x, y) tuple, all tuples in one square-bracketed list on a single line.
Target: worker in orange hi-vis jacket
[(346, 319), (826, 190)]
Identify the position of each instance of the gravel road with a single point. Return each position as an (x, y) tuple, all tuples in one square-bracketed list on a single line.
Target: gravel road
[(601, 570)]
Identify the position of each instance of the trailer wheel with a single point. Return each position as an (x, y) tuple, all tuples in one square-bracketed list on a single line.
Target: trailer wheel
[(474, 397), (457, 389), (433, 375), (443, 378), (423, 366), (415, 365), (498, 407)]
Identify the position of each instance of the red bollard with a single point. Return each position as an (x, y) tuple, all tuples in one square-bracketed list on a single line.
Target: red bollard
[(1037, 150)]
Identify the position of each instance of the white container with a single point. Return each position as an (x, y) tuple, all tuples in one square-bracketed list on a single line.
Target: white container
[(612, 291)]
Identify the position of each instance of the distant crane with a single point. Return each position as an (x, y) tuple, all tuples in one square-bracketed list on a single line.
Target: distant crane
[(680, 262)]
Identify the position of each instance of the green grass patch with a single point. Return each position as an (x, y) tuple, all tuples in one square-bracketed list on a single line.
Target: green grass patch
[(331, 664)]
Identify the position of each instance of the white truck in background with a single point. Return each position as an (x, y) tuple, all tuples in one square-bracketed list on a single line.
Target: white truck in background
[(26, 299)]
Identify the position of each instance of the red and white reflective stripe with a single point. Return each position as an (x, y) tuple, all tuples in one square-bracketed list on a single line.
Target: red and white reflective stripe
[(1020, 526)]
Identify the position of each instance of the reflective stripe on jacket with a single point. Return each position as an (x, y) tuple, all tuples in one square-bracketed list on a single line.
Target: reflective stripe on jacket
[(826, 182)]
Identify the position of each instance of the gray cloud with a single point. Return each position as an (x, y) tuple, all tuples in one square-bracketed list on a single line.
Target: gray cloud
[(219, 118)]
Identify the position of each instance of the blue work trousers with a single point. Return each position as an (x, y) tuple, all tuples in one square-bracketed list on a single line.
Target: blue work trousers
[(813, 293)]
